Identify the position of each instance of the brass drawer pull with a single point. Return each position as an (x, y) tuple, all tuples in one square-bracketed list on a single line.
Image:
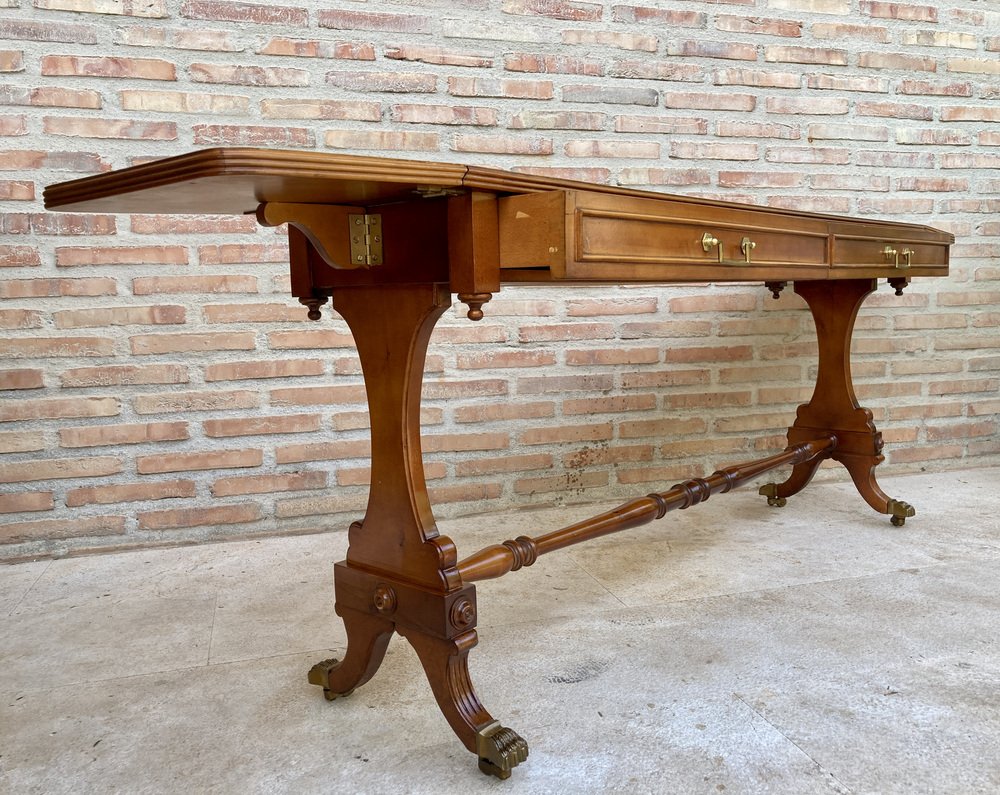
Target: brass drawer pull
[(710, 241), (894, 255)]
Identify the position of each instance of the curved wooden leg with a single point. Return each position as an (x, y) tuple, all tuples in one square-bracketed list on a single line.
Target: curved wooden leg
[(367, 639), (445, 662), (776, 493), (862, 471)]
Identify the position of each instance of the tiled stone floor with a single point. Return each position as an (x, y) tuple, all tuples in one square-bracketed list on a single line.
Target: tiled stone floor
[(731, 648)]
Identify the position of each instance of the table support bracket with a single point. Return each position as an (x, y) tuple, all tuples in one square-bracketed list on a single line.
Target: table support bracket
[(833, 408)]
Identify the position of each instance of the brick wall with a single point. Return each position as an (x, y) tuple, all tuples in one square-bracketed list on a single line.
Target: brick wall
[(159, 386)]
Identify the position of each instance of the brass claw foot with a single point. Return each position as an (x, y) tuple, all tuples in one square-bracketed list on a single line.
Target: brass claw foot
[(499, 750), (770, 491), (900, 511), (319, 674)]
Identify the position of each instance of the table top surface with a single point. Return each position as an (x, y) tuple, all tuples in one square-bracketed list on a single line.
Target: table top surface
[(238, 180)]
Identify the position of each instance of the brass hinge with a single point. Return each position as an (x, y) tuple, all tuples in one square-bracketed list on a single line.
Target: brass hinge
[(366, 239)]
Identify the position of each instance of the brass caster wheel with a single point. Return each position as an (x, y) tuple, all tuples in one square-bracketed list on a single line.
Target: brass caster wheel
[(319, 674), (900, 512), (500, 750), (771, 492)]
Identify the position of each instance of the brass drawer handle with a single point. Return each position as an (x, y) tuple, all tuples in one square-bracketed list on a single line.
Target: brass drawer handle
[(894, 255), (710, 241)]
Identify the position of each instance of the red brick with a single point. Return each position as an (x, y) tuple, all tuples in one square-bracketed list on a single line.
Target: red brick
[(504, 359), (57, 224), (252, 135), (609, 149), (712, 399), (11, 61), (352, 110), (444, 114), (608, 456), (437, 55), (649, 69), (110, 128), (913, 13), (241, 371), (265, 484), (98, 435), (56, 347), (661, 124), (671, 426), (151, 8), (615, 404), (603, 38), (536, 385), (896, 61), (383, 140), (494, 465), (988, 66), (322, 451), (847, 132), (463, 442), (309, 340), (393, 82), (153, 344), (594, 307), (317, 395), (21, 441), (615, 95), (706, 101), (172, 402), (465, 493), (849, 182), (21, 379), (256, 426), (177, 285), (613, 356), (120, 316), (686, 150), (808, 105), (50, 96), (314, 48), (566, 331), (568, 433), (124, 375), (490, 87), (502, 144), (51, 529), (177, 518), (505, 411), (17, 190), (49, 30), (712, 49), (552, 64), (26, 501), (57, 408), (188, 462), (72, 256), (19, 257), (59, 468), (238, 75), (131, 492), (219, 10), (118, 68), (21, 318), (561, 483), (664, 176), (746, 129), (768, 27), (179, 39), (757, 78), (364, 20), (16, 160), (571, 10)]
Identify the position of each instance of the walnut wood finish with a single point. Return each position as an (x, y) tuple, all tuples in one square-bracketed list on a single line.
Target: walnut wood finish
[(449, 229)]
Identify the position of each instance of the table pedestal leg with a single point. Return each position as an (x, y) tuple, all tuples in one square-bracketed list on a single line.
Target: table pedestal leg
[(400, 573), (834, 407)]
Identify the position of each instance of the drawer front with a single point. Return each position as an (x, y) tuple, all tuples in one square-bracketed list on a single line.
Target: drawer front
[(622, 237), (888, 254)]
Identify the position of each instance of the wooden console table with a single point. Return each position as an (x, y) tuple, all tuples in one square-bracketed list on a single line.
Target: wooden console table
[(391, 240)]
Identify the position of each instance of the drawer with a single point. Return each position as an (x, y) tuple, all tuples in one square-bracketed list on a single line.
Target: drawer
[(888, 254), (596, 237)]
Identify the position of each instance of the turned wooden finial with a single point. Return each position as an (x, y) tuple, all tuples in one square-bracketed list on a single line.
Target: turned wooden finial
[(475, 303), (314, 304)]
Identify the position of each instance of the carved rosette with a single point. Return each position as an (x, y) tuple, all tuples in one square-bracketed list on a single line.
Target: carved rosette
[(384, 599), (463, 614)]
